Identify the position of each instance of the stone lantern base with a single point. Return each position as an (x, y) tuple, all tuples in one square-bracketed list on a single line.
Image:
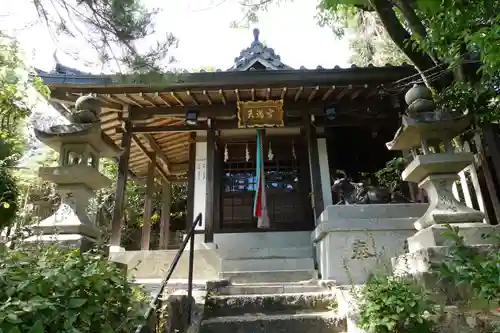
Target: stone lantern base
[(73, 241), (429, 247), (473, 234), (68, 227)]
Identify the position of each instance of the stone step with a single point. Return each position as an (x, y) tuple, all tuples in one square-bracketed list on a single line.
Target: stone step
[(268, 253), (267, 289), (326, 322), (153, 287), (236, 305), (267, 276), (264, 264)]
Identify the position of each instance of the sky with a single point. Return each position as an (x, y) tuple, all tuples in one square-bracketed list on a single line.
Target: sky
[(204, 33)]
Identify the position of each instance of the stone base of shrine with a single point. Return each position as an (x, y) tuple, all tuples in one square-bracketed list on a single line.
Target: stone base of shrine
[(230, 241), (352, 241), (154, 264)]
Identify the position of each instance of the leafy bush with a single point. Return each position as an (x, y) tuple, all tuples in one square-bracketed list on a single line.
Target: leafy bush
[(59, 290), (394, 304), (466, 266), (390, 175), (8, 196)]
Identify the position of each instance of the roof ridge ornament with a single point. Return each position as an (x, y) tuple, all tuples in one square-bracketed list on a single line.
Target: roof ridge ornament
[(258, 57), (256, 33)]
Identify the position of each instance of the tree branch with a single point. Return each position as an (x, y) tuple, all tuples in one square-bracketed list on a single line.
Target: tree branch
[(400, 35), (411, 17), (414, 22)]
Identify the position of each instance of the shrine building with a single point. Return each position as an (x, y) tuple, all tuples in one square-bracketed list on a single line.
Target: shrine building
[(259, 135)]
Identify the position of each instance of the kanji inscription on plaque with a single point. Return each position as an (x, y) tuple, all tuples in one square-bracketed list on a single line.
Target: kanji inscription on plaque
[(260, 114)]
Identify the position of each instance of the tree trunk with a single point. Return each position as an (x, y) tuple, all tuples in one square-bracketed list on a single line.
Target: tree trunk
[(414, 22), (401, 37)]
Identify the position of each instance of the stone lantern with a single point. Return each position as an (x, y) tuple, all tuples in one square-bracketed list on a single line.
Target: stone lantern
[(428, 134), (80, 146)]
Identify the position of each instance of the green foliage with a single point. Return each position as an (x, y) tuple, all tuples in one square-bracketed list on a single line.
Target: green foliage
[(9, 193), (457, 27), (466, 266), (112, 28), (50, 289), (394, 304), (465, 34), (14, 108), (390, 175)]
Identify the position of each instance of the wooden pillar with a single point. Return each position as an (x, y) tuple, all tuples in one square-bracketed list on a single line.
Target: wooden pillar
[(314, 167), (166, 205), (488, 176), (493, 148), (121, 183), (191, 179), (210, 188), (148, 204), (218, 173)]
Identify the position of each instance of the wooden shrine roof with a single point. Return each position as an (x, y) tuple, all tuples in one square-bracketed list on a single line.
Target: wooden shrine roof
[(166, 102)]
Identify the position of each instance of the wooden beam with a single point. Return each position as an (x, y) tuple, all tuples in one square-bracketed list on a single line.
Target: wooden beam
[(210, 188), (243, 80), (166, 128), (121, 183), (191, 180), (71, 98), (159, 153), (148, 204), (227, 111), (166, 206), (148, 155), (341, 121), (176, 180)]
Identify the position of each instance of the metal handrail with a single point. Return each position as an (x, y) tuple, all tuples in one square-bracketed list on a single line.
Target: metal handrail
[(155, 302)]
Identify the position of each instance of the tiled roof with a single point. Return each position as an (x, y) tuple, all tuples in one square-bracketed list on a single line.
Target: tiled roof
[(62, 74), (258, 56)]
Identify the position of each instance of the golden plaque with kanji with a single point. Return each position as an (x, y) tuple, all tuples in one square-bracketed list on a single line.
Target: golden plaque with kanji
[(260, 114)]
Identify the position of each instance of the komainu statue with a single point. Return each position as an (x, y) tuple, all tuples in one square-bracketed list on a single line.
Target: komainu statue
[(351, 193)]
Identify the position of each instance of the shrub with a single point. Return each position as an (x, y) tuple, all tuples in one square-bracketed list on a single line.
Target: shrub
[(471, 267), (8, 197), (60, 290), (393, 304)]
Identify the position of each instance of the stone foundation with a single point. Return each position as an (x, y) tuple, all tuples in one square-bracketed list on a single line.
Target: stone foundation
[(155, 264), (354, 240)]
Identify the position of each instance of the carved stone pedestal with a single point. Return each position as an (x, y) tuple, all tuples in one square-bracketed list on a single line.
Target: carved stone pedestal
[(70, 224), (443, 207)]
